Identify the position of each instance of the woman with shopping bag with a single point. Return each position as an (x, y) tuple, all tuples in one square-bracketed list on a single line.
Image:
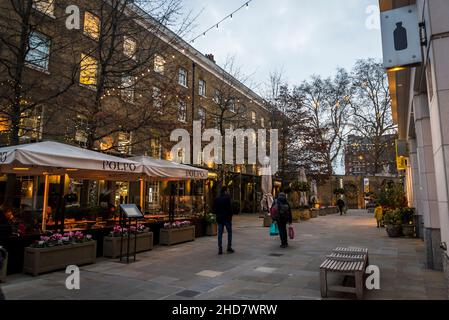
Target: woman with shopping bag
[(282, 215)]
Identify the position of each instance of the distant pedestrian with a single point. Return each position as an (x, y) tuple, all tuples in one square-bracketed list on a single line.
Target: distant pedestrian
[(341, 205), (223, 210), (378, 214), (284, 217)]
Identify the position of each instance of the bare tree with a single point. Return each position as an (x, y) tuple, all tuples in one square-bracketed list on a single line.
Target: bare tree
[(371, 107), (28, 97), (326, 102)]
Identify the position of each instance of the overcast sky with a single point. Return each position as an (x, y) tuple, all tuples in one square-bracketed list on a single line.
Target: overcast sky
[(304, 37)]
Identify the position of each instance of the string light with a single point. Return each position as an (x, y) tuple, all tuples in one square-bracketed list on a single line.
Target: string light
[(229, 16)]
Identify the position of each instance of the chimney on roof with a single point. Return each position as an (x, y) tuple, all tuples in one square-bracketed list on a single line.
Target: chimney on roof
[(211, 57)]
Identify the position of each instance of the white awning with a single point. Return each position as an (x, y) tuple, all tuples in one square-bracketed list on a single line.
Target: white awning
[(169, 170), (56, 158)]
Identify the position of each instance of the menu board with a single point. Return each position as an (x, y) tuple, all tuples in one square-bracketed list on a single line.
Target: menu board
[(131, 211)]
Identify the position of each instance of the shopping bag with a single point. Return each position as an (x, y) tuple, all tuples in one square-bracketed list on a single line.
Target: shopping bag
[(291, 232), (274, 230)]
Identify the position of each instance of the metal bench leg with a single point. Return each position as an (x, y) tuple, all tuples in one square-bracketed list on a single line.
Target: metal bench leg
[(323, 283), (359, 284)]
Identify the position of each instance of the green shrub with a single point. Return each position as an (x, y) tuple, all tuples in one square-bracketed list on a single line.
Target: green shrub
[(393, 217)]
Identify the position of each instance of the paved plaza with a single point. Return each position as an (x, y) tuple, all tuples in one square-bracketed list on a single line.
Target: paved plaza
[(259, 269)]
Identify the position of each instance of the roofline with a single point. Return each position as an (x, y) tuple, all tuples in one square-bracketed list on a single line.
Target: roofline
[(196, 56)]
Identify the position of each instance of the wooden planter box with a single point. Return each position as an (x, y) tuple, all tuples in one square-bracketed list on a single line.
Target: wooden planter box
[(305, 214), (212, 230), (267, 221), (296, 215), (40, 260), (170, 237), (111, 245), (313, 213)]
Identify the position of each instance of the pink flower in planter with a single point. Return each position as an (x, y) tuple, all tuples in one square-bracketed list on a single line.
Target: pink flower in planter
[(88, 236)]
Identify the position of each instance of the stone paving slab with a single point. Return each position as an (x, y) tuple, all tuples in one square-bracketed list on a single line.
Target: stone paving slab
[(259, 269)]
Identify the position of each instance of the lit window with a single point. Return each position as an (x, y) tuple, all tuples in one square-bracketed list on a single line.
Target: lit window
[(155, 148), (38, 50), (124, 142), (159, 64), (30, 125), (127, 90), (202, 88), (253, 117), (262, 122), (91, 25), (45, 6), (81, 130), (129, 47), (157, 99), (88, 70), (182, 77), (182, 111)]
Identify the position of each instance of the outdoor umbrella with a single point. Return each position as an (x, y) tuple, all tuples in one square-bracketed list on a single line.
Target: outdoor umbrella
[(303, 178), (267, 187), (54, 158)]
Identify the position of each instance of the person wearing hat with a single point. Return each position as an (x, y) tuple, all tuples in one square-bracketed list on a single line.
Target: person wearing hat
[(284, 217)]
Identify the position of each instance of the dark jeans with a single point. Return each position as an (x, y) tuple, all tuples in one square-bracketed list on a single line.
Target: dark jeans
[(221, 227), (282, 225), (341, 210)]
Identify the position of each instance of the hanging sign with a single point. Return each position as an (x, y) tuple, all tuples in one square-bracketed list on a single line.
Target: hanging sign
[(401, 39)]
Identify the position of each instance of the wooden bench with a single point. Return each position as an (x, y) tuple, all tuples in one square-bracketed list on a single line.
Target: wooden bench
[(350, 261)]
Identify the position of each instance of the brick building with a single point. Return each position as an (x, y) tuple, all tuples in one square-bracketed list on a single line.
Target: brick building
[(361, 158), (120, 92)]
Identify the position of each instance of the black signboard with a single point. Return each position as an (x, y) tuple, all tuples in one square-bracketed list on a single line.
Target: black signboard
[(131, 211)]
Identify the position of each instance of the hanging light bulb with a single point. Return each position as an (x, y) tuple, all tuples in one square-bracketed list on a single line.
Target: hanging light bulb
[(204, 35), (217, 25), (231, 17), (247, 5)]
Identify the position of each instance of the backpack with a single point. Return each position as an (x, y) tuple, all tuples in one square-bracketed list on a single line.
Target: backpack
[(283, 210), (274, 212)]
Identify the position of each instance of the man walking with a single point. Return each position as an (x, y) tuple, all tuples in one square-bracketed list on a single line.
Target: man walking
[(341, 205), (284, 218), (223, 210)]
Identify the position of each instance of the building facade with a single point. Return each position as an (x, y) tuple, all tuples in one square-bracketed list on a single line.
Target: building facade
[(362, 160), (121, 92), (420, 106)]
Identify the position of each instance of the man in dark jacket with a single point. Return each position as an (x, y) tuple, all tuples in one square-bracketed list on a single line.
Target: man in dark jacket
[(223, 210), (341, 205), (284, 217)]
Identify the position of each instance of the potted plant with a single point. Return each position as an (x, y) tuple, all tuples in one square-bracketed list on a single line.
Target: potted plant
[(408, 226), (176, 232), (114, 242), (393, 223), (56, 251), (212, 227)]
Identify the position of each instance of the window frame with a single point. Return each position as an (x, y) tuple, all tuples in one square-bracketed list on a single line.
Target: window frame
[(182, 111), (127, 39), (202, 88), (159, 67), (85, 56), (89, 33), (183, 72), (128, 93), (45, 58)]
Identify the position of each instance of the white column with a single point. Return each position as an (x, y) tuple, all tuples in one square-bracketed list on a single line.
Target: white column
[(427, 183)]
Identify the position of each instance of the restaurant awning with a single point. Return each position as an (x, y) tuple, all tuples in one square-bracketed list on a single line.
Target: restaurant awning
[(54, 158), (169, 170)]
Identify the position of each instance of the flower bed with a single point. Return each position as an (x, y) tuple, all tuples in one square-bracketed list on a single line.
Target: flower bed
[(58, 251), (177, 232), (114, 241)]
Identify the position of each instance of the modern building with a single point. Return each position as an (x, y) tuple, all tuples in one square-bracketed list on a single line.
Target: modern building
[(420, 103), (361, 158), (135, 112)]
